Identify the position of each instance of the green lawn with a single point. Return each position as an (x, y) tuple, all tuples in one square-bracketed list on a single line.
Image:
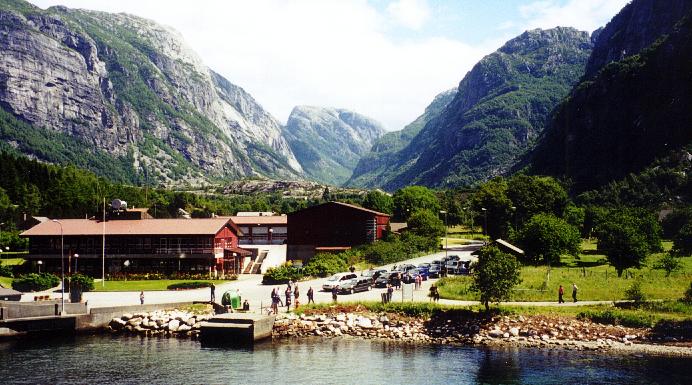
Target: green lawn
[(596, 279), (6, 282), (12, 261), (148, 285)]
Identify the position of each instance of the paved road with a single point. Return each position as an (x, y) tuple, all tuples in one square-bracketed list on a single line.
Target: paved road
[(251, 288)]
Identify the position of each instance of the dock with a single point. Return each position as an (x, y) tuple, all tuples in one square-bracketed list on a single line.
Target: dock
[(236, 329)]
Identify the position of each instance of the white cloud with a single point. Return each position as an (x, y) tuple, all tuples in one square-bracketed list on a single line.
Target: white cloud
[(409, 13), (585, 15), (317, 52)]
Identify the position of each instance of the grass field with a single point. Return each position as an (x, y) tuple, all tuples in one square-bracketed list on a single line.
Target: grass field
[(147, 285), (595, 278), (7, 281)]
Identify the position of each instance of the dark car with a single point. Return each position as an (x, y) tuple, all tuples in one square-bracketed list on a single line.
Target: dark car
[(434, 271), (384, 279), (355, 285), (424, 265), (373, 273), (422, 272), (406, 267)]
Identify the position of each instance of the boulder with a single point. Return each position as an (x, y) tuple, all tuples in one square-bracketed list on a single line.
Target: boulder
[(173, 325)]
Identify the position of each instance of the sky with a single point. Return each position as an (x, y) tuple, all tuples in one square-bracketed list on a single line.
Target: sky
[(386, 59)]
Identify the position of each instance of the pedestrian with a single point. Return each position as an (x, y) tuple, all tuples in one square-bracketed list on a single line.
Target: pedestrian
[(246, 305), (288, 298), (296, 294), (335, 293), (419, 281), (311, 295), (434, 293), (390, 291), (574, 291), (275, 302), (141, 297), (213, 292), (560, 293), (237, 293)]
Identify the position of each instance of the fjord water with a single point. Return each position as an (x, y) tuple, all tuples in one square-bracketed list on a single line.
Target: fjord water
[(106, 360)]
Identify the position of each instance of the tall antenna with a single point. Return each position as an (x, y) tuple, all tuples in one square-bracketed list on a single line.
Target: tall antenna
[(103, 246)]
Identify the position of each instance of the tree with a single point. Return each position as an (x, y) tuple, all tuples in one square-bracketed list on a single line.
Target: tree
[(426, 224), (492, 196), (536, 194), (668, 263), (495, 275), (326, 195), (410, 199), (682, 242), (627, 237), (575, 216), (546, 237), (378, 201)]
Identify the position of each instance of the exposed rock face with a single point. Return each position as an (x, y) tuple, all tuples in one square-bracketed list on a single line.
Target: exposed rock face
[(630, 111), (328, 142), (499, 109), (132, 88)]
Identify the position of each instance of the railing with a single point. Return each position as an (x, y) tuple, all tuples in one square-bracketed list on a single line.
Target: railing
[(128, 250)]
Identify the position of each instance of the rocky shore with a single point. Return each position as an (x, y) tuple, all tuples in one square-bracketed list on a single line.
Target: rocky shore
[(171, 323)]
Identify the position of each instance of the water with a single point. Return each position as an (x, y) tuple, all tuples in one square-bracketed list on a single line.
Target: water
[(122, 360)]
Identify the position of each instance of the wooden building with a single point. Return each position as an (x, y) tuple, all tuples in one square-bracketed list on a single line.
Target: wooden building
[(332, 226), (197, 246)]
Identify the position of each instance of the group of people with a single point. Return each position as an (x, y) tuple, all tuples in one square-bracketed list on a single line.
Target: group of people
[(291, 294), (561, 292)]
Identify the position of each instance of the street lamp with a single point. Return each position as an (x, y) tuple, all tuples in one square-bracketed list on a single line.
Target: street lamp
[(446, 240), (62, 268), (485, 220), (39, 263), (514, 210), (271, 233), (76, 256)]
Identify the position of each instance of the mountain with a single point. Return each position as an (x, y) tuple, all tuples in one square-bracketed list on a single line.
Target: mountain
[(500, 108), (328, 142), (127, 98), (633, 105), (375, 167)]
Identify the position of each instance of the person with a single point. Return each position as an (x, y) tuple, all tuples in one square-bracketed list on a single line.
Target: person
[(237, 292), (352, 269), (390, 291), (213, 292), (275, 301), (574, 291), (288, 298), (296, 294), (335, 293), (246, 305), (141, 297), (434, 293), (311, 295), (560, 293), (419, 281)]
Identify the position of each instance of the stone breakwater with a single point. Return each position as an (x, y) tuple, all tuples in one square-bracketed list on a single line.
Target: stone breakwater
[(534, 331), (173, 323)]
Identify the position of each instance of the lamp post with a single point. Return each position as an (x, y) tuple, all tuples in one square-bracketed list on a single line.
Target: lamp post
[(39, 263), (76, 257), (62, 269), (271, 233), (446, 240), (485, 220), (514, 211)]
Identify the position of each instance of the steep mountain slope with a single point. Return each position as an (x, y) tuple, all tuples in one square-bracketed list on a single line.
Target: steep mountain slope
[(328, 142), (499, 109), (134, 93), (377, 165), (631, 111)]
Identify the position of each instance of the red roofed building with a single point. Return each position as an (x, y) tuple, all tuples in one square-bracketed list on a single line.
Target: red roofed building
[(208, 245), (332, 226)]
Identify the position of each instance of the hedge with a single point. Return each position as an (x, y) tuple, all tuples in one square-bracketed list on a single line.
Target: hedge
[(35, 282)]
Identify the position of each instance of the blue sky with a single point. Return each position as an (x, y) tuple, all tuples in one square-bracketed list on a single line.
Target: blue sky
[(383, 58)]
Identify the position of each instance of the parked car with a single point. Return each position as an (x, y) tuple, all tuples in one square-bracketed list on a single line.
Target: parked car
[(373, 273), (434, 271), (453, 267), (337, 279), (355, 285), (422, 272), (425, 265), (384, 279), (405, 267)]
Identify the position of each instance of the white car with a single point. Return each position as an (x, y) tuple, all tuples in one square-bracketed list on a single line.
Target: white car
[(337, 279)]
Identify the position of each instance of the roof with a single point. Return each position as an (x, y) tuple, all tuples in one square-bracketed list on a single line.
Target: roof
[(198, 226), (397, 227), (8, 292), (242, 220), (238, 250), (344, 205), (510, 246)]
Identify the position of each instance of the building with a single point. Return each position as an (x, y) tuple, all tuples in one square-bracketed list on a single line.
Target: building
[(136, 244), (332, 226), (261, 229)]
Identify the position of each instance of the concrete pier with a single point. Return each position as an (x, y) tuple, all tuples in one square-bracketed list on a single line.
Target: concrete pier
[(236, 328)]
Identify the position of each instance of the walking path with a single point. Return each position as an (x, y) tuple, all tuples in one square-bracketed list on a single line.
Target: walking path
[(252, 289)]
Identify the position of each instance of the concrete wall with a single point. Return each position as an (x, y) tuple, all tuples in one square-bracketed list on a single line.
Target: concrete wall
[(12, 309)]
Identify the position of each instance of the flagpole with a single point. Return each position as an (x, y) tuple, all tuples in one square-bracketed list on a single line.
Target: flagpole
[(103, 246)]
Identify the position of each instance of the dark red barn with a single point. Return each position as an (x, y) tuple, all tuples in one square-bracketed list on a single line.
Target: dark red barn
[(332, 226)]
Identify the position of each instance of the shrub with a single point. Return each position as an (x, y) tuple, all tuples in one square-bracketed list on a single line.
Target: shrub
[(81, 282), (6, 271), (614, 317), (281, 274), (635, 293), (668, 263), (35, 282), (496, 274), (324, 265), (188, 285)]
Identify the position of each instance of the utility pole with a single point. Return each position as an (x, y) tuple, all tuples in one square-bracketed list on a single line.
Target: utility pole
[(446, 227)]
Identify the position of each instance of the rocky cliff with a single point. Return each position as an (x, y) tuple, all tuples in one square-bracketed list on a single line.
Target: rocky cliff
[(134, 94), (631, 111), (501, 106), (328, 142)]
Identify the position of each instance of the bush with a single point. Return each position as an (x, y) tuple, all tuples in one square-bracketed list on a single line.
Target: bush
[(614, 317), (635, 293), (668, 263), (35, 282), (325, 264), (81, 282), (281, 274), (6, 271), (188, 285)]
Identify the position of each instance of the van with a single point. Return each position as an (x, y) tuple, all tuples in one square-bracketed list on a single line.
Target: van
[(337, 279)]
